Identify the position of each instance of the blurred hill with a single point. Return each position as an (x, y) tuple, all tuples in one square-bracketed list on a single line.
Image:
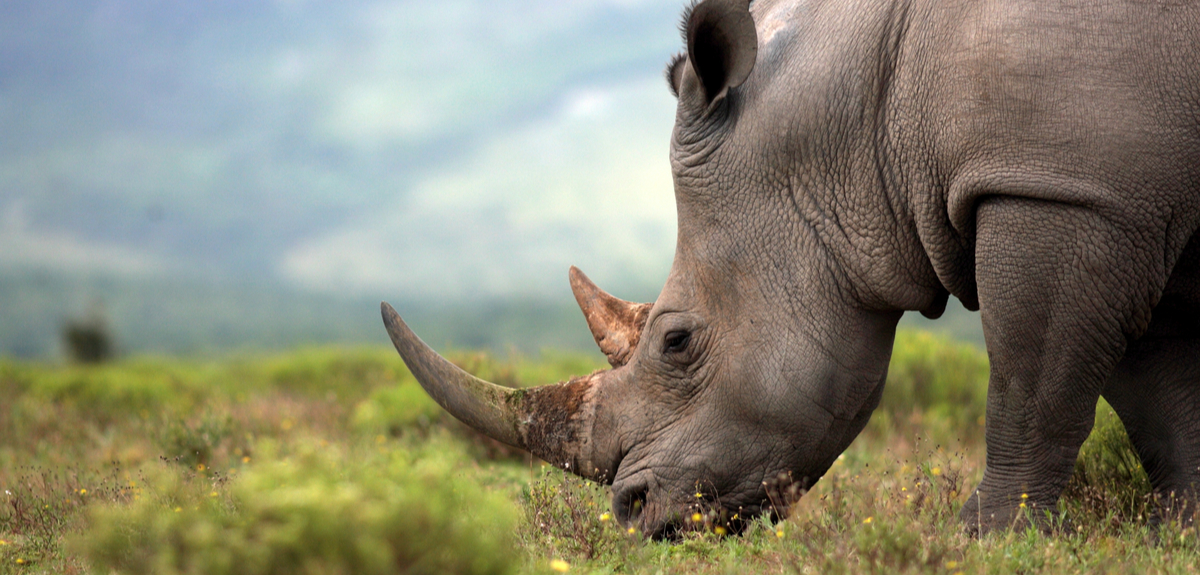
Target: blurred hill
[(197, 318), (194, 317)]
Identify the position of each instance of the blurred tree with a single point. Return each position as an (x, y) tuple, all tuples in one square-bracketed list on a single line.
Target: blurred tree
[(89, 340)]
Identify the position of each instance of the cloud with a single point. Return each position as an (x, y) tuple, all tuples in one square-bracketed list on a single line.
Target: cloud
[(263, 133), (21, 247), (590, 185), (417, 69)]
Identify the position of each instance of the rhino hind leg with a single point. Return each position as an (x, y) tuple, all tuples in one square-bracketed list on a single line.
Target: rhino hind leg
[(1060, 293), (1156, 391)]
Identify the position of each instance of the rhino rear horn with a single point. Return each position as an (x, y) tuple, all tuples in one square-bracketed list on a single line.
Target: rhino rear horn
[(616, 324), (722, 45)]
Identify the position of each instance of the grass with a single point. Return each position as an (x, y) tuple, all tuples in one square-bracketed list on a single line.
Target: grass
[(333, 460), (311, 508)]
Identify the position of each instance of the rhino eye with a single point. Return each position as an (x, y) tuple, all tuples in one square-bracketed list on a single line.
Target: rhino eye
[(676, 341)]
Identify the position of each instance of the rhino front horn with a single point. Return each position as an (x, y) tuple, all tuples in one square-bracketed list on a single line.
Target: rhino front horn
[(554, 422), (616, 324)]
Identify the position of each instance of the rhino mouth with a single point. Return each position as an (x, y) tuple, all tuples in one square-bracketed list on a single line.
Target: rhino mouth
[(641, 508), (640, 504), (672, 523)]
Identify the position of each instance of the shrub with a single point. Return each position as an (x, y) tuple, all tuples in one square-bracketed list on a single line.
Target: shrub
[(323, 510), (393, 409), (88, 340), (567, 517), (194, 443), (117, 390), (1109, 483), (552, 367), (39, 505), (343, 372), (519, 371), (936, 375)]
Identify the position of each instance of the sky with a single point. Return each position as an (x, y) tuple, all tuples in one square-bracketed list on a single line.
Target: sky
[(442, 150)]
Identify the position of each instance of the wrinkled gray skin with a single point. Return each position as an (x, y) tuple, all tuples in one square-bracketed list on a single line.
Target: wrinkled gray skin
[(837, 163)]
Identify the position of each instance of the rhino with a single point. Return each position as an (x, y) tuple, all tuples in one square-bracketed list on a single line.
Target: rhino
[(838, 163)]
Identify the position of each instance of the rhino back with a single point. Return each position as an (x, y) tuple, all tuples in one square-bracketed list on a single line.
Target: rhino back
[(1089, 103)]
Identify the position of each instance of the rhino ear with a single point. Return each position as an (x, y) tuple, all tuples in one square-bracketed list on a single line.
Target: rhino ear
[(721, 44), (616, 324)]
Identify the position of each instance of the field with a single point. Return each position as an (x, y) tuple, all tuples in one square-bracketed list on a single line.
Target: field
[(333, 460)]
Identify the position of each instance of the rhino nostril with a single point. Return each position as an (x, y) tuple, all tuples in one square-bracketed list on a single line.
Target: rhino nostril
[(629, 503)]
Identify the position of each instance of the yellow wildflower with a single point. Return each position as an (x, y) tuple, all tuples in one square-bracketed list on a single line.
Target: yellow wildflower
[(868, 520), (951, 564), (631, 531), (719, 530), (606, 517), (83, 491), (936, 471), (779, 534), (696, 518), (560, 565)]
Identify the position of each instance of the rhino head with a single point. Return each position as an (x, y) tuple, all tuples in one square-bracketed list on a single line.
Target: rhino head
[(759, 362)]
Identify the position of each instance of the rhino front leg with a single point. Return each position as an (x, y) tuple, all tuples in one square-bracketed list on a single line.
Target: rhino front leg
[(1061, 288)]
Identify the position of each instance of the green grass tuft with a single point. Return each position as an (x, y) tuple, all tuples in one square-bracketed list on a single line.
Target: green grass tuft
[(310, 509), (1109, 486)]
